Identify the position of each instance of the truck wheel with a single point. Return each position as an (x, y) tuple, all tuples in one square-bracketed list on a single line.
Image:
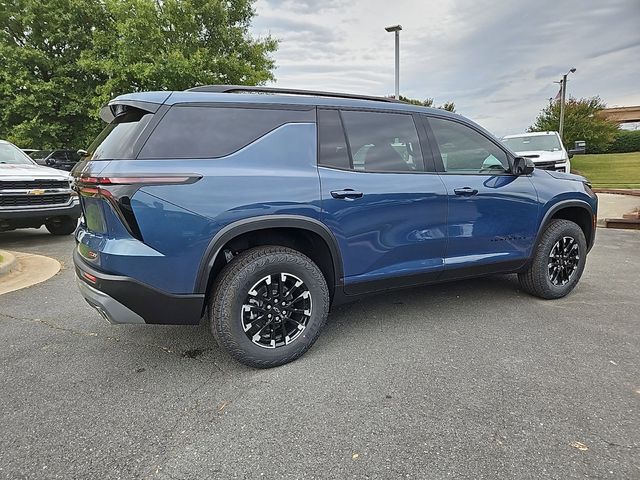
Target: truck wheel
[(61, 225), (558, 261), (268, 306)]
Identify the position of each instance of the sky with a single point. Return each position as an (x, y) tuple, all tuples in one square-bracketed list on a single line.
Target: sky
[(497, 60)]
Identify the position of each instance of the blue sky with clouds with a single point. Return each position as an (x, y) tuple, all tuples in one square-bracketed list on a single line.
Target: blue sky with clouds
[(496, 59)]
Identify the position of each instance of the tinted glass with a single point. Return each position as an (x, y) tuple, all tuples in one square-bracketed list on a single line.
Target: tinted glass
[(59, 155), (119, 139), (333, 145), (463, 150), (210, 132), (40, 154), (383, 142), (13, 155)]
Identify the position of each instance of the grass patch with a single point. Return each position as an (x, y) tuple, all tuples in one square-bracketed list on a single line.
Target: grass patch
[(0, 258), (609, 170)]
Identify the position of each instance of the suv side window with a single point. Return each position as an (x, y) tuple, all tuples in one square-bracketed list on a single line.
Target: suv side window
[(188, 131), (466, 151), (383, 142), (333, 144)]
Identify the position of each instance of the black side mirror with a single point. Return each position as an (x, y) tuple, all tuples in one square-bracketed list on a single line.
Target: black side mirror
[(523, 166), (575, 151)]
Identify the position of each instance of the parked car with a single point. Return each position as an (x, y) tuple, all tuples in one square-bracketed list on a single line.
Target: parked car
[(60, 159), (29, 151), (251, 209), (32, 196), (544, 148)]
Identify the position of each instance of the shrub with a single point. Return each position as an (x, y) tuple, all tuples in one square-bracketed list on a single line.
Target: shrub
[(625, 141)]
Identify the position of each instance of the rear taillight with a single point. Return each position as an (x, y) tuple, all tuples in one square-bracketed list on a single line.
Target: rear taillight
[(118, 190), (137, 180)]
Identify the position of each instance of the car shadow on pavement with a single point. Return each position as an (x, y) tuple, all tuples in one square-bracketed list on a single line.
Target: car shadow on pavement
[(30, 238), (431, 303), (350, 326), (356, 325)]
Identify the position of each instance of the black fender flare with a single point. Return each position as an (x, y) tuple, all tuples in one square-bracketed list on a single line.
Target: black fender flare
[(559, 206), (246, 225)]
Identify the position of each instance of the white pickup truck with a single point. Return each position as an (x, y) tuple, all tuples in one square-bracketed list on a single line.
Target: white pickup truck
[(544, 148), (32, 195)]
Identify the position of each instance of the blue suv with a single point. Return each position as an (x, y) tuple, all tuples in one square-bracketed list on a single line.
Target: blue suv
[(259, 208)]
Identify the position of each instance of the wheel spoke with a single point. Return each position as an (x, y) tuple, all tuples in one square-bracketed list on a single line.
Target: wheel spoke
[(255, 307), (295, 321), (267, 323), (300, 297)]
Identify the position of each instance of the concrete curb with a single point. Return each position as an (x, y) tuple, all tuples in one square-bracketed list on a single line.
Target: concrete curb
[(8, 262), (28, 269), (617, 191), (624, 223)]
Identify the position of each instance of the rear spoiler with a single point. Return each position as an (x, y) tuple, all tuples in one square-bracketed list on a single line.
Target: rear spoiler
[(117, 107)]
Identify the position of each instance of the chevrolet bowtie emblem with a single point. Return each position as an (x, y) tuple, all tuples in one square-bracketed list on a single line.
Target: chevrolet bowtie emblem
[(36, 192)]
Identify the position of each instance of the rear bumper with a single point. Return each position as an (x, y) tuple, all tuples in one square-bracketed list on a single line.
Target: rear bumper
[(110, 309), (121, 299)]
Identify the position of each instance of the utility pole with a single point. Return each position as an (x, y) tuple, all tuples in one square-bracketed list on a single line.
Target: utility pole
[(396, 29), (563, 89), (563, 96)]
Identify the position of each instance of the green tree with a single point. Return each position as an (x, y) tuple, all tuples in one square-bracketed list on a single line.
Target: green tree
[(581, 122), (177, 44), (448, 106), (63, 59), (45, 96)]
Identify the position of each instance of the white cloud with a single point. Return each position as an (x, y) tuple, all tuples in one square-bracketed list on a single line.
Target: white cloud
[(496, 60)]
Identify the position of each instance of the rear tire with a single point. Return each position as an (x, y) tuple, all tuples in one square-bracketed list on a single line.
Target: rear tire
[(61, 225), (558, 261), (275, 282)]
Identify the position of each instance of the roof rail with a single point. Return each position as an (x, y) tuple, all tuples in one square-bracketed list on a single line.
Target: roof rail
[(285, 91)]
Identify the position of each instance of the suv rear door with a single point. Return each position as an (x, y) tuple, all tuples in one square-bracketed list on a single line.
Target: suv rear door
[(492, 213), (386, 208)]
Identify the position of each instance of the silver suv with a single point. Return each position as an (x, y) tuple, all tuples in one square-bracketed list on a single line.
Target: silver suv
[(32, 195)]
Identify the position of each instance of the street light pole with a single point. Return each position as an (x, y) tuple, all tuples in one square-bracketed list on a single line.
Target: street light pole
[(563, 96), (396, 29)]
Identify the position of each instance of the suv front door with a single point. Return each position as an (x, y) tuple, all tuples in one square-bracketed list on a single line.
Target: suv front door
[(492, 213), (386, 210)]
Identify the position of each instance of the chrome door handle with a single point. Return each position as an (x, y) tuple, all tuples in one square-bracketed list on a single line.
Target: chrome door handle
[(346, 194), (465, 191)]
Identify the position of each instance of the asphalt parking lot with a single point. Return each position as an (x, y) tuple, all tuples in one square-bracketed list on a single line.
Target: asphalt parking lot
[(471, 379)]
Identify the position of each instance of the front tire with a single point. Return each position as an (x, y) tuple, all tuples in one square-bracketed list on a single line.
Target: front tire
[(268, 306), (558, 261), (61, 225)]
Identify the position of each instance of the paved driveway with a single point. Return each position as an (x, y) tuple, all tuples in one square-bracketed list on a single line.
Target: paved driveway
[(471, 379)]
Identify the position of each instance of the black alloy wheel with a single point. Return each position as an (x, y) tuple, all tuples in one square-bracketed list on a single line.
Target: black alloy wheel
[(563, 260), (276, 310)]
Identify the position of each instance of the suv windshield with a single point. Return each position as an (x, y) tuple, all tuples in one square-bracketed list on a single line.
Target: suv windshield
[(549, 143), (13, 155)]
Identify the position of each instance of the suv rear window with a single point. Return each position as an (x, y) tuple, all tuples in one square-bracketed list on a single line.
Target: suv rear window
[(119, 139), (211, 132)]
